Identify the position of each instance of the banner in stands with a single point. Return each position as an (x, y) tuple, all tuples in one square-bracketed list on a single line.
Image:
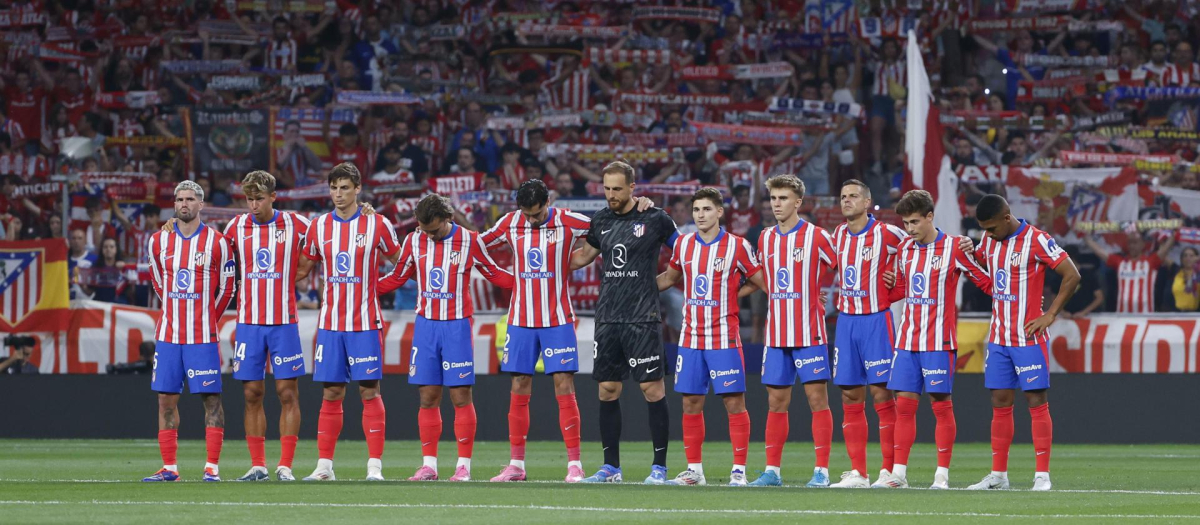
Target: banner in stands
[(232, 139), (100, 334)]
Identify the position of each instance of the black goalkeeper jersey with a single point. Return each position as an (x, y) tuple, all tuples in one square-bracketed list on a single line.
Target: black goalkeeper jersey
[(629, 245)]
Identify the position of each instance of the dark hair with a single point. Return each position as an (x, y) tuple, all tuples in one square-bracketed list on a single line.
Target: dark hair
[(855, 182), (532, 192), (280, 20), (345, 170), (433, 206), (151, 210), (711, 194), (990, 207), (348, 128), (621, 168), (915, 201)]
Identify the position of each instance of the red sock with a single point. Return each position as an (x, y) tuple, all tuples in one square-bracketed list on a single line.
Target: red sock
[(906, 428), (854, 430), (168, 443), (518, 425), (374, 422), (329, 427), (213, 438), (739, 436), (1043, 435), (693, 437), (464, 429), (1002, 434), (429, 425), (287, 450), (887, 432), (568, 421), (258, 450), (822, 429), (945, 431), (777, 433)]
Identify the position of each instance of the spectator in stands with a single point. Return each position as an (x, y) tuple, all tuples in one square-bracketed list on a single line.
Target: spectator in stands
[(1136, 271), (412, 157), (306, 297), (1184, 279), (105, 279), (299, 164)]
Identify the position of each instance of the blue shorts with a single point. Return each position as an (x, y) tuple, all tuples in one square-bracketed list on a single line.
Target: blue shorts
[(725, 368), (342, 357), (200, 364), (251, 344), (920, 372), (556, 345), (862, 349), (884, 107), (782, 365), (442, 353), (1007, 367)]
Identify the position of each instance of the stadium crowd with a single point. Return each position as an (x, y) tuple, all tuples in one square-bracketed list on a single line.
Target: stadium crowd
[(469, 98)]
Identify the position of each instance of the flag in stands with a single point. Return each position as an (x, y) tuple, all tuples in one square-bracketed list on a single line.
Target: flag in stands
[(33, 286)]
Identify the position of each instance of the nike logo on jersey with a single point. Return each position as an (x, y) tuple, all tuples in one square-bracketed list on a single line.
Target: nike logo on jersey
[(374, 430), (651, 371), (206, 383), (605, 232), (371, 370)]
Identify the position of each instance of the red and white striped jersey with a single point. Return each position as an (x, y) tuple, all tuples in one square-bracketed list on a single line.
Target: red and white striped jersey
[(443, 271), (1017, 266), (1175, 75), (14, 130), (796, 263), (541, 264), (862, 259), (194, 277), (572, 93), (349, 253), (24, 166), (896, 72), (281, 54), (267, 257), (712, 274), (927, 280), (1135, 282)]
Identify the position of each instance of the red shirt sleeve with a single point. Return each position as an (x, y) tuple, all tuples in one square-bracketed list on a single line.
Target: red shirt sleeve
[(405, 269), (312, 242), (388, 242)]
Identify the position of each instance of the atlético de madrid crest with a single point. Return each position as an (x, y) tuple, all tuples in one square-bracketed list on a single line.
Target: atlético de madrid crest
[(639, 229), (280, 236), (360, 240)]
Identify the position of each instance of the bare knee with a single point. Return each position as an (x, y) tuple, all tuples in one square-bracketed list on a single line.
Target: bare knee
[(431, 396), (818, 396), (334, 392), (654, 391), (880, 394), (693, 404), (460, 396), (1002, 398), (253, 392), (853, 395), (288, 392), (610, 390), (734, 403), (779, 399), (564, 383), (368, 390), (522, 384)]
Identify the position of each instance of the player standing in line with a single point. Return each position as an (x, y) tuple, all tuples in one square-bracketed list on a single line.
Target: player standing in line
[(193, 272), (1016, 255), (797, 257), (926, 271), (628, 321), (349, 345), (541, 318), (267, 244), (712, 263), (862, 348), (441, 256)]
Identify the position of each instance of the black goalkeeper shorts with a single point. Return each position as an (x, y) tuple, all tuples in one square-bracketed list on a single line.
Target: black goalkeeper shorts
[(628, 350)]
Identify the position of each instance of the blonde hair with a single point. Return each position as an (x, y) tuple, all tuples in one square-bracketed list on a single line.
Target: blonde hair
[(786, 182), (258, 182), (191, 186)]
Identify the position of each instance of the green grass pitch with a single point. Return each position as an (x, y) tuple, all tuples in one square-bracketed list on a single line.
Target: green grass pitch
[(96, 481)]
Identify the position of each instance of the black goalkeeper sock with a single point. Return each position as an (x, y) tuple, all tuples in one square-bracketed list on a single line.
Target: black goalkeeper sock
[(610, 431), (660, 430)]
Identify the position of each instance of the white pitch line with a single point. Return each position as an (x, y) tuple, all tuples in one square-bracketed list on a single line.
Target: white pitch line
[(554, 508), (709, 487)]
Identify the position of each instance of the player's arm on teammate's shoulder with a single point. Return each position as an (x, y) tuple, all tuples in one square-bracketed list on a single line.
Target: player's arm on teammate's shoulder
[(975, 272), (584, 255), (169, 224), (644, 203), (156, 270), (1070, 284), (488, 267), (225, 284), (405, 269), (311, 252)]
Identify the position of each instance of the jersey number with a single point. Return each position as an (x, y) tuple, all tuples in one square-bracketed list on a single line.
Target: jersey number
[(412, 360), (240, 353), (320, 350)]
